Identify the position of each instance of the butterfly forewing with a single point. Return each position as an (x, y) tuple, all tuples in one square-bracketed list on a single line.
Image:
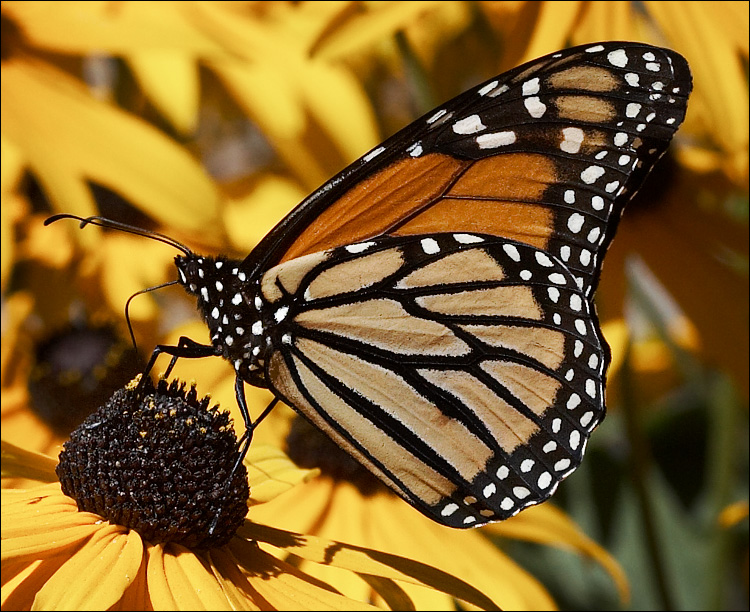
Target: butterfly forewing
[(465, 370), (546, 154)]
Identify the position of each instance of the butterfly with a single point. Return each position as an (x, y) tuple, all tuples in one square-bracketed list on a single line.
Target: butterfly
[(430, 307)]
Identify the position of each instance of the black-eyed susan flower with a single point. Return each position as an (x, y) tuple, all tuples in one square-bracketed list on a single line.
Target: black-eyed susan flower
[(146, 510)]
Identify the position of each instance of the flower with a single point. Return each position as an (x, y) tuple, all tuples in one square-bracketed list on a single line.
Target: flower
[(131, 521)]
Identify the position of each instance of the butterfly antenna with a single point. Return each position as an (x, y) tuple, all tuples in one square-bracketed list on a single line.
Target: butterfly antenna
[(123, 227), (130, 299)]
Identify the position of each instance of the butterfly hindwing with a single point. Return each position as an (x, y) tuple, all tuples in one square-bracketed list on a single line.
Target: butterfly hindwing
[(465, 370)]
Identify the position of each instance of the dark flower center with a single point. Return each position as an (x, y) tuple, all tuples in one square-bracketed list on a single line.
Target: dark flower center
[(158, 460), (76, 371)]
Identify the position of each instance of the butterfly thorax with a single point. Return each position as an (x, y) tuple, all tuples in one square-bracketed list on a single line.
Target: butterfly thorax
[(233, 309)]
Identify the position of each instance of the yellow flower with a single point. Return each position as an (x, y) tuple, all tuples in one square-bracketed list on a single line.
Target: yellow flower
[(144, 517)]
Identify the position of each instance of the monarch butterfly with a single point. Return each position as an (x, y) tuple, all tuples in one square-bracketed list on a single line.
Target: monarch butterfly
[(430, 307)]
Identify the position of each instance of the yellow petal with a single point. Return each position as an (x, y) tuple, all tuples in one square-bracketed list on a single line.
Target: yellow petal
[(355, 30), (20, 463), (270, 473), (82, 27), (192, 586), (290, 589), (552, 28), (548, 525), (366, 561), (338, 102), (96, 575), (696, 31), (249, 218), (46, 112), (171, 81)]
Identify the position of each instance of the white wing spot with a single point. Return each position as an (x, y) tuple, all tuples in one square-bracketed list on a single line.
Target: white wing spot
[(556, 424), (430, 246), (591, 387), (562, 465), (496, 139), (525, 275), (585, 257), (469, 125), (575, 222), (512, 252), (621, 138), (611, 187), (449, 509), (530, 87), (586, 418), (507, 504), (521, 492), (204, 293), (550, 446), (575, 302), (569, 196), (415, 150), (358, 248), (535, 107), (581, 326), (373, 154), (557, 278), (527, 465), (215, 313), (545, 480), (467, 238), (487, 88), (489, 490), (437, 115), (554, 294), (572, 140), (574, 401), (591, 174), (633, 79), (543, 260), (575, 439), (578, 349), (632, 110), (281, 313), (618, 58), (597, 202), (237, 299), (594, 235), (502, 472), (595, 49)]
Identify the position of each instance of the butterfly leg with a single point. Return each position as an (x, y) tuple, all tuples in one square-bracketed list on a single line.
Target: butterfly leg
[(187, 348), (244, 442)]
